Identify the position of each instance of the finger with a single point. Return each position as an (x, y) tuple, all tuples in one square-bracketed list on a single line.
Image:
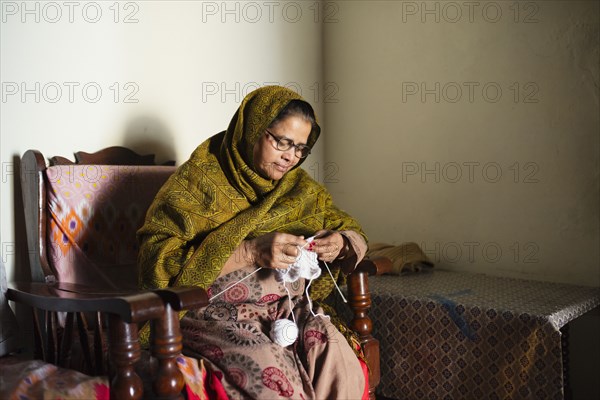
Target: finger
[(295, 245), (281, 261), (329, 253), (320, 233), (324, 247), (290, 250), (300, 241), (327, 257), (288, 260), (323, 254), (323, 233), (330, 241), (335, 241), (293, 240), (280, 265)]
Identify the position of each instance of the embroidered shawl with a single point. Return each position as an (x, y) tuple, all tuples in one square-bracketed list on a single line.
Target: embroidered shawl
[(216, 200)]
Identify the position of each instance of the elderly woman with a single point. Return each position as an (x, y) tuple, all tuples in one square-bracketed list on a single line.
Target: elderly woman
[(231, 219)]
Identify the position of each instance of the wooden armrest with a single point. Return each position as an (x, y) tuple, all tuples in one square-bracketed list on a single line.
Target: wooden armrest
[(130, 307), (183, 298), (375, 266)]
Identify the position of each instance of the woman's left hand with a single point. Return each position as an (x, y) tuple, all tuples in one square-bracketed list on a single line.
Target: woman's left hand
[(328, 245)]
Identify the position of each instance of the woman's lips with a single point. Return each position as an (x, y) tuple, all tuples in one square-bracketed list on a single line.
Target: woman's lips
[(281, 168)]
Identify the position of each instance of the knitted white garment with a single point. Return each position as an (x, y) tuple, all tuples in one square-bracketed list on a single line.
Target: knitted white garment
[(306, 266), (283, 331)]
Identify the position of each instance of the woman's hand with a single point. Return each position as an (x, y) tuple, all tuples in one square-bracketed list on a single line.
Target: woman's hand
[(276, 249), (328, 245)]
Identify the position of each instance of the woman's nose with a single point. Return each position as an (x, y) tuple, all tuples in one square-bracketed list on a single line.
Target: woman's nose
[(288, 155)]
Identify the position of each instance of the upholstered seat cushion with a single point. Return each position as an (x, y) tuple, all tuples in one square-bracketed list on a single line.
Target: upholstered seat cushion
[(36, 379)]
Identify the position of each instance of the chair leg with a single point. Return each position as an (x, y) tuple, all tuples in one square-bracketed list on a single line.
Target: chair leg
[(40, 350), (66, 341), (82, 329), (166, 347), (52, 337), (99, 341), (125, 351)]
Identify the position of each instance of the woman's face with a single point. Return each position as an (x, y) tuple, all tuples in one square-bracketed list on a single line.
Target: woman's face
[(271, 163)]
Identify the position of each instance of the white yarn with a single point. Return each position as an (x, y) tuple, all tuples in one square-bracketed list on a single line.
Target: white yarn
[(234, 283), (306, 266), (284, 332)]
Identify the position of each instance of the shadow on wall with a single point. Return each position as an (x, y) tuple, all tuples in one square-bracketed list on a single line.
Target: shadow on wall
[(149, 135)]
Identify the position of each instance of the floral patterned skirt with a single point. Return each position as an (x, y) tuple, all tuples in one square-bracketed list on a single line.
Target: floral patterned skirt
[(232, 333)]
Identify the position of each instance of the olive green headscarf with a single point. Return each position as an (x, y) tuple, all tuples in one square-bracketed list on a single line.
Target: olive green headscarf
[(216, 200)]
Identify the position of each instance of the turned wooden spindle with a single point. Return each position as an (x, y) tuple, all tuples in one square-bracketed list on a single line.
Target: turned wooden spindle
[(360, 302), (167, 346), (125, 352)]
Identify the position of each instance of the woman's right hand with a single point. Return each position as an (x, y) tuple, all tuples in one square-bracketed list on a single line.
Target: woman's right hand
[(276, 249)]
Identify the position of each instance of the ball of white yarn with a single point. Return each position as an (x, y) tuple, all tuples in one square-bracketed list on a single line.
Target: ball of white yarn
[(284, 332)]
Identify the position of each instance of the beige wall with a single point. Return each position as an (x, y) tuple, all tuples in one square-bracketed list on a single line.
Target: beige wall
[(420, 144), (472, 129), (181, 69)]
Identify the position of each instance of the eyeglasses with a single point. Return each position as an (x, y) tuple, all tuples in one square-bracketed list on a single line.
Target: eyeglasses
[(284, 144)]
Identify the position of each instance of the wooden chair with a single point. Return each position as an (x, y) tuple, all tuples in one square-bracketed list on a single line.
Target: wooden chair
[(76, 292), (111, 288)]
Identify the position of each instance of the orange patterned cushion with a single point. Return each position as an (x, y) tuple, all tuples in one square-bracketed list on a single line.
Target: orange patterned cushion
[(94, 213), (39, 380)]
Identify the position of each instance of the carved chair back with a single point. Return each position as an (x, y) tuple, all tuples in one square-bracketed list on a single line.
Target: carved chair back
[(88, 214)]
